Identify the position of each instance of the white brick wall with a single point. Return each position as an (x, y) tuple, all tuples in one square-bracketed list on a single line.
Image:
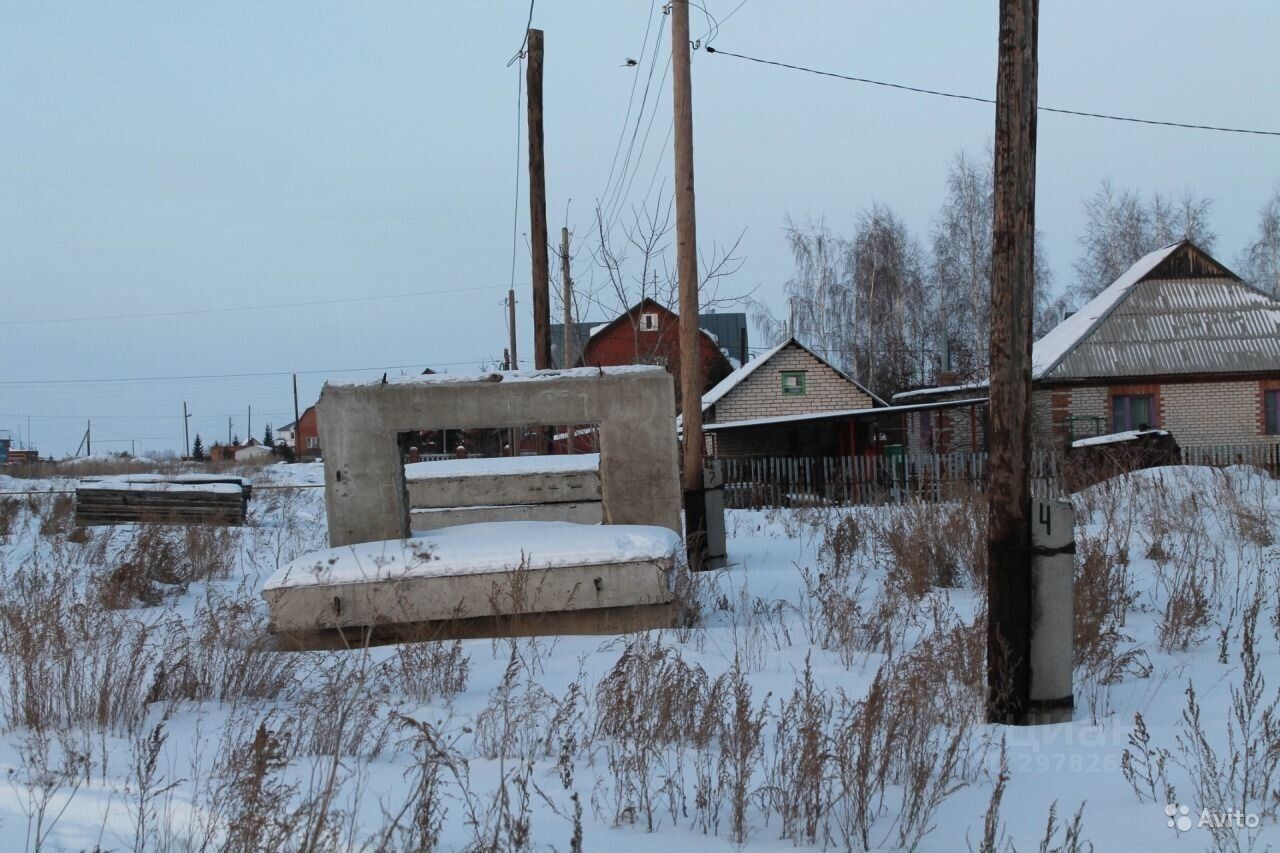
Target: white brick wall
[(1212, 413), (760, 394)]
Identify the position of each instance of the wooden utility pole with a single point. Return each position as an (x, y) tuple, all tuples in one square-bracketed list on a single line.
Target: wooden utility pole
[(186, 430), (538, 209), (1009, 588), (570, 338), (695, 511), (567, 295), (297, 449), (514, 362)]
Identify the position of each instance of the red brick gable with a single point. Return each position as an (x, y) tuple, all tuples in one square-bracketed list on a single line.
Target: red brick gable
[(626, 341)]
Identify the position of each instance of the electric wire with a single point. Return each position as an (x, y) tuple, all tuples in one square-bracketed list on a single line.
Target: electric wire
[(981, 100)]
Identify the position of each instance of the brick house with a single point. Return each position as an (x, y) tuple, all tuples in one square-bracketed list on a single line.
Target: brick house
[(787, 401), (1178, 343), (648, 333), (301, 435)]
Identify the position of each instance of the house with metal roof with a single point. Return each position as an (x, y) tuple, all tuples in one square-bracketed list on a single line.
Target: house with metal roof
[(788, 401), (1178, 342)]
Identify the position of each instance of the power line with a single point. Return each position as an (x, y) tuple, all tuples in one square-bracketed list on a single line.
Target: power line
[(229, 309), (960, 97), (232, 375), (626, 119)]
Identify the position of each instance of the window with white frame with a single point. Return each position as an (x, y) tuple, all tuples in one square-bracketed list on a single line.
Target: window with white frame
[(649, 322)]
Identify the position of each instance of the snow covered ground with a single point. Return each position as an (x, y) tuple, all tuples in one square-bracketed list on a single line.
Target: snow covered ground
[(828, 695)]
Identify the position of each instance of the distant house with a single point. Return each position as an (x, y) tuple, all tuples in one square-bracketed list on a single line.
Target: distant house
[(223, 452), (1178, 343), (728, 330), (789, 401), (6, 441), (252, 450), (648, 333), (302, 435)]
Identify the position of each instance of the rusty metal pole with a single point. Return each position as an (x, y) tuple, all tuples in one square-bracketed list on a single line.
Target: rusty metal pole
[(1009, 586), (687, 271)]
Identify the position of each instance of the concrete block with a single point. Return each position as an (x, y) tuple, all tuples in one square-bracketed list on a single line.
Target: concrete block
[(425, 599), (366, 493), (585, 512), (1052, 611)]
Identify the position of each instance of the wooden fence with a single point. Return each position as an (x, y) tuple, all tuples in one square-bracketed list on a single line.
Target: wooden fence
[(756, 482)]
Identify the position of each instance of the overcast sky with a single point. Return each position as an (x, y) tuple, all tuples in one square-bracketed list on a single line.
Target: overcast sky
[(167, 157)]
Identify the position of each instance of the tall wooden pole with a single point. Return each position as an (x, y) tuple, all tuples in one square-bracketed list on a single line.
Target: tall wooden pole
[(297, 448), (687, 271), (568, 355), (1009, 589), (186, 429), (567, 295), (538, 209), (514, 363)]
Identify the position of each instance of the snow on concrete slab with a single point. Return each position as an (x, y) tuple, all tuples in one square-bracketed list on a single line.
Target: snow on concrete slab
[(503, 465), (502, 376), (160, 486), (479, 549), (1116, 437)]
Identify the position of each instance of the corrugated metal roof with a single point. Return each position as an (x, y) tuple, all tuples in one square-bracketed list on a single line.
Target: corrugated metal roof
[(1179, 326)]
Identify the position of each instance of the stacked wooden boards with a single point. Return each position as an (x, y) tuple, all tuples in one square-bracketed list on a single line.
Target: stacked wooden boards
[(157, 498)]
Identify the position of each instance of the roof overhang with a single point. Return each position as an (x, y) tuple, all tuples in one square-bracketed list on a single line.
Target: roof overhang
[(844, 414)]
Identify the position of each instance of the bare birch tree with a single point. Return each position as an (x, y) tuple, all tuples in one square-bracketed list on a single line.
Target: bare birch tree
[(1259, 264), (1121, 227)]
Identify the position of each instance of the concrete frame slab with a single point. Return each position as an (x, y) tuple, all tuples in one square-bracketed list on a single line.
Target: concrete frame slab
[(366, 495)]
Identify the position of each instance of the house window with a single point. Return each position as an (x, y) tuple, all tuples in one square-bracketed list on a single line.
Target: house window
[(1271, 401), (312, 442), (1132, 411), (926, 430), (793, 382), (648, 322)]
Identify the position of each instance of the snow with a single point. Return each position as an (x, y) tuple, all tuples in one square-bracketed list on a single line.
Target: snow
[(503, 465), (473, 549), (941, 389), (1116, 437), (501, 376), (126, 486), (1062, 338), (757, 613)]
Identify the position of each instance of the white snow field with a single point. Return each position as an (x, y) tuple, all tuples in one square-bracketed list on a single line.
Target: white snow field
[(828, 694)]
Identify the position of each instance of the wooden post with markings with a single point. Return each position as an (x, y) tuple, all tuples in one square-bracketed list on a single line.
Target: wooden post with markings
[(1009, 581)]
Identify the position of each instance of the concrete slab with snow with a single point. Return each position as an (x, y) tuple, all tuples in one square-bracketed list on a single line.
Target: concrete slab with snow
[(1116, 437), (474, 570)]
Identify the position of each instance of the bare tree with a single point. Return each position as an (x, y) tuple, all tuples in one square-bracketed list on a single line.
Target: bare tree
[(962, 264), (863, 303), (1120, 227), (1259, 264)]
